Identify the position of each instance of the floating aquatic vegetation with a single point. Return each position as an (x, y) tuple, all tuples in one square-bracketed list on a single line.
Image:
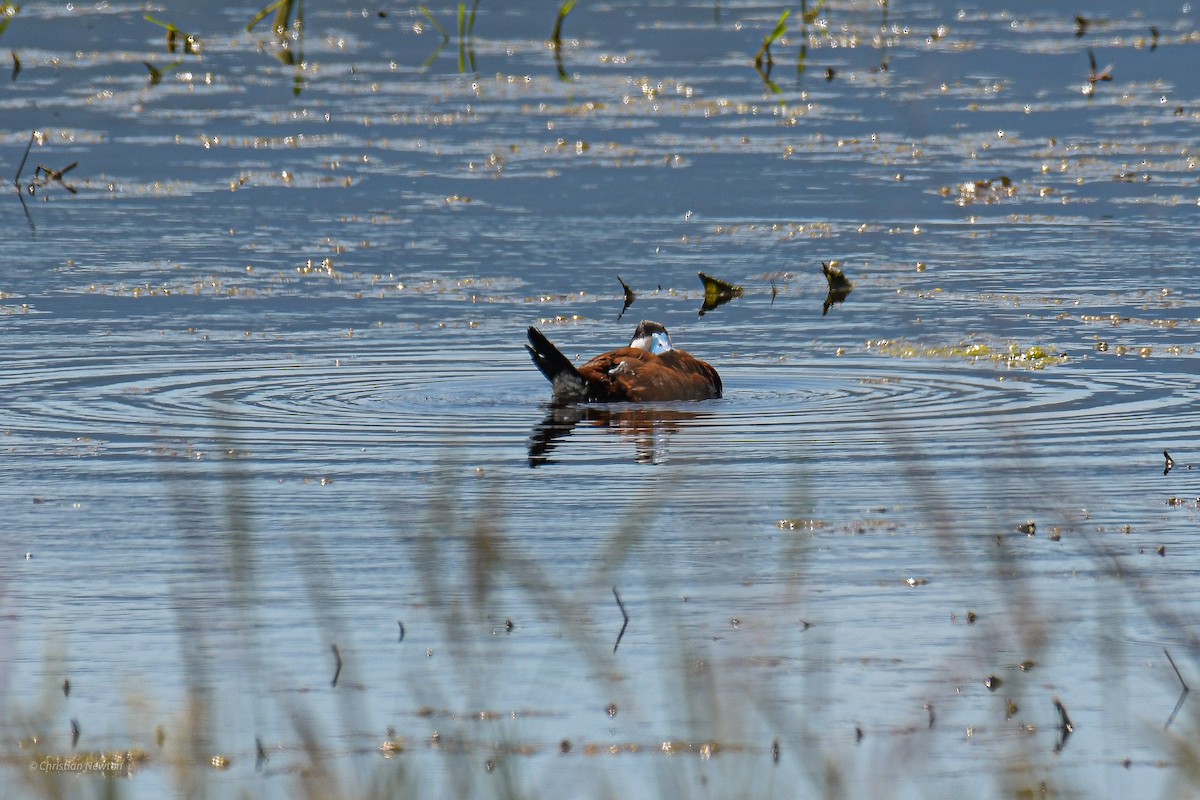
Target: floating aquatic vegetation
[(630, 296), (288, 28), (839, 285), (156, 74), (438, 27), (191, 42), (801, 524), (717, 292), (981, 191), (1095, 75), (763, 61), (556, 37), (288, 14), (7, 12), (466, 33), (1032, 357)]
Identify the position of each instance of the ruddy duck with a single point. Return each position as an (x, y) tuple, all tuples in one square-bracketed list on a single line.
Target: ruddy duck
[(650, 369)]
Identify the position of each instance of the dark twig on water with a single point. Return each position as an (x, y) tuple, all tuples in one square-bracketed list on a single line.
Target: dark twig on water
[(21, 189), (1096, 74), (624, 614), (74, 733), (43, 176), (1182, 695), (1169, 465), (337, 673), (401, 624), (1065, 728), (260, 754)]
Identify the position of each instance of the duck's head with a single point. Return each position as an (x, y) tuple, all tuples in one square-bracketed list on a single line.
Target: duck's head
[(651, 336)]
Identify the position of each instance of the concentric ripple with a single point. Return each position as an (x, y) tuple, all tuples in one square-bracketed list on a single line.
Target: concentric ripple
[(325, 403)]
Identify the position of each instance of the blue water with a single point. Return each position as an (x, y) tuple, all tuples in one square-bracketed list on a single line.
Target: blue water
[(264, 392)]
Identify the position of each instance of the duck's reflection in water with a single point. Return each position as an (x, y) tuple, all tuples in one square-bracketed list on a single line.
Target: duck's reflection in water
[(649, 428)]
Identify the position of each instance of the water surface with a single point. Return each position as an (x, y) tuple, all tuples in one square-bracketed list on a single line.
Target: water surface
[(265, 392)]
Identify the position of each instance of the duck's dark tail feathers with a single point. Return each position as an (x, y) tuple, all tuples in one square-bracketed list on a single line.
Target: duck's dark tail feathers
[(567, 382)]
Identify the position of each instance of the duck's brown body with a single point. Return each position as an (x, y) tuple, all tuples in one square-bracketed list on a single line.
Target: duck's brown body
[(634, 374)]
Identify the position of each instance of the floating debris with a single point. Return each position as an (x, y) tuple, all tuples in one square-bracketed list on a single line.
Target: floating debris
[(337, 673), (630, 296), (1065, 728), (624, 624), (1095, 75), (839, 285), (717, 292), (1028, 528), (44, 176), (801, 524), (1185, 690), (981, 191), (1170, 464), (993, 682)]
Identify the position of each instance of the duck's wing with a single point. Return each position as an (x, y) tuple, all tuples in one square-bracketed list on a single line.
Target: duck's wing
[(617, 376), (682, 376), (638, 376)]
